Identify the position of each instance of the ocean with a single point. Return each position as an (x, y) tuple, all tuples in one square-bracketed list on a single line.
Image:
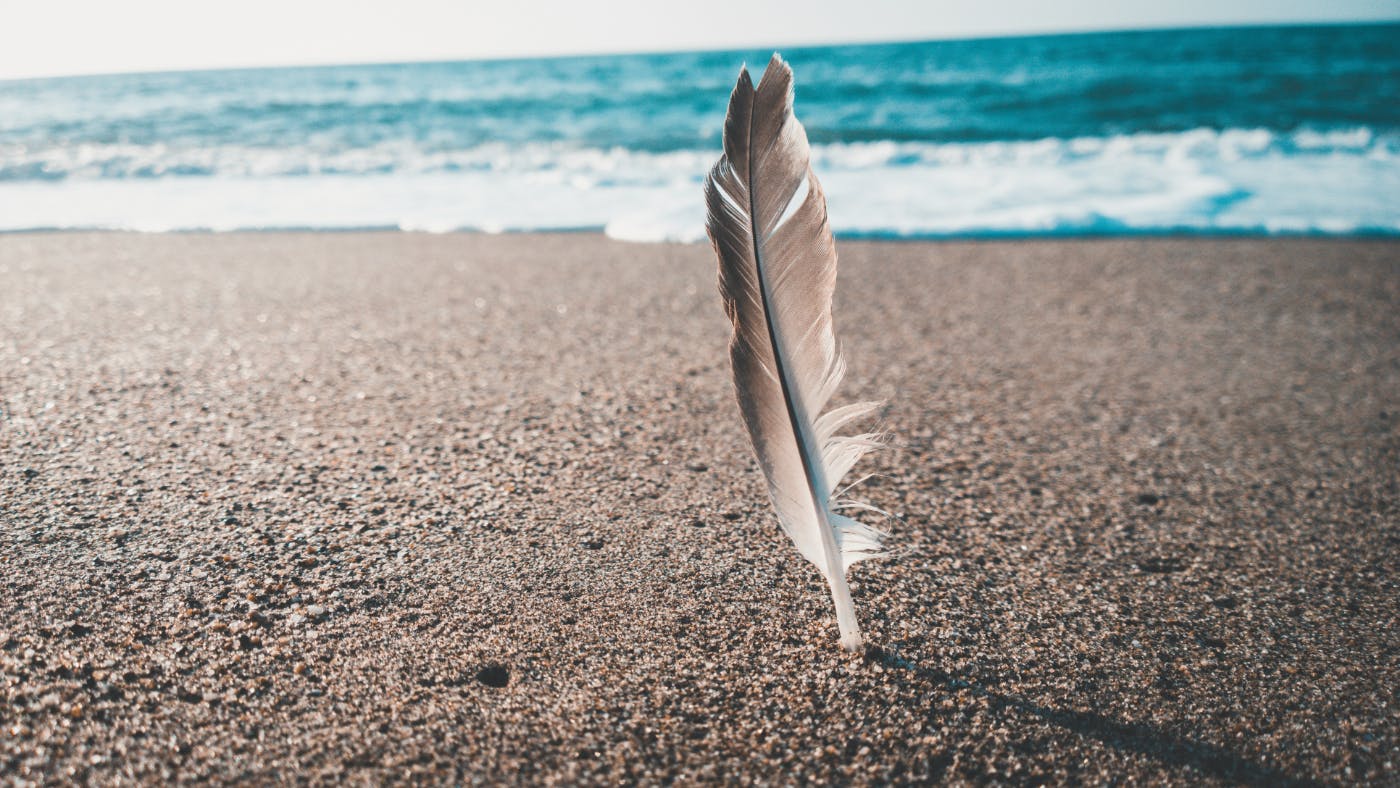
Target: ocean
[(1287, 130)]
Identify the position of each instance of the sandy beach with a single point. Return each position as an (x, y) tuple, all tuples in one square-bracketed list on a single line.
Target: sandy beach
[(356, 508)]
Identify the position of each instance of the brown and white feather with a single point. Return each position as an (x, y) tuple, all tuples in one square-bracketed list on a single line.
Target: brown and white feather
[(777, 274)]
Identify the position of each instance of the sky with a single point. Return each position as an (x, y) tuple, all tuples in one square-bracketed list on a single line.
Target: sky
[(59, 37)]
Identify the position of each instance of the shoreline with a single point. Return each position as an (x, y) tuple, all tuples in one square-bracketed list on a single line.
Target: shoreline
[(342, 506), (1007, 236)]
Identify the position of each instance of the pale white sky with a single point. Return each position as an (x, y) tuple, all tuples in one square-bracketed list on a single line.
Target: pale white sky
[(51, 37)]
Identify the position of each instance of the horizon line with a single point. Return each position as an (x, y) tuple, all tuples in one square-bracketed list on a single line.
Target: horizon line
[(683, 50)]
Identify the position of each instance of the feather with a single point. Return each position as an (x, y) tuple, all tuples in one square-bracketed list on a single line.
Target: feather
[(777, 274)]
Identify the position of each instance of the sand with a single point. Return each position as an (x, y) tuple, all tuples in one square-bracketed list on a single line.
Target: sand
[(370, 507)]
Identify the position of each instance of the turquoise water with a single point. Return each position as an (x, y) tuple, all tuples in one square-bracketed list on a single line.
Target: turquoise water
[(1260, 130)]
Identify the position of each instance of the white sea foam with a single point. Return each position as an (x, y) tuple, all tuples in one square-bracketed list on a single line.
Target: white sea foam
[(1239, 180)]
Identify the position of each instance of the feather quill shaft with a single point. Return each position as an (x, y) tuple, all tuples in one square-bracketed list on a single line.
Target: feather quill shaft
[(777, 274)]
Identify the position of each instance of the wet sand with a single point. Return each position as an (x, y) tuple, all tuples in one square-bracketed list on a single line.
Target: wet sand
[(367, 507)]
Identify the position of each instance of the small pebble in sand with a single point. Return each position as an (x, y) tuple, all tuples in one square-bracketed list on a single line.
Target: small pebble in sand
[(493, 676)]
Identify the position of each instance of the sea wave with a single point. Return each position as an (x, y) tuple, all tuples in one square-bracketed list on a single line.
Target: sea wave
[(1203, 180), (62, 161)]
